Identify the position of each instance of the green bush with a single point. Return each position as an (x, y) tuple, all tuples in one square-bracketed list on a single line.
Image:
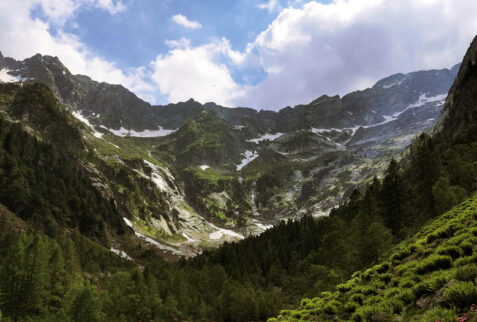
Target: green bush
[(467, 248), (400, 255), (406, 295), (369, 290), (385, 278), (466, 260), (467, 273), (346, 287), (452, 251), (333, 307), (358, 298), (434, 262), (393, 305), (382, 268), (438, 314), (462, 294), (351, 307), (444, 232), (364, 313)]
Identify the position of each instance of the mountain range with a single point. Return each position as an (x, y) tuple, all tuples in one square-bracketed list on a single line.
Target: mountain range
[(217, 173)]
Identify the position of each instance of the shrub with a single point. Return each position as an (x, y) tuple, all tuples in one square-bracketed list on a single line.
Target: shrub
[(367, 274), (306, 304), (333, 307), (467, 273), (467, 248), (466, 260), (439, 314), (385, 277), (383, 267), (358, 298), (364, 313), (406, 268), (444, 232), (356, 274), (400, 255), (421, 289), (393, 305), (369, 290), (406, 296), (462, 294), (346, 287), (474, 231), (434, 262), (351, 307), (452, 251)]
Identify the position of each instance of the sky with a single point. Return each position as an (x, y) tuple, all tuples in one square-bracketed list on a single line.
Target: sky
[(264, 54)]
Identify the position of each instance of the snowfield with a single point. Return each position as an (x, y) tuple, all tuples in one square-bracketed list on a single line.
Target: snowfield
[(144, 134), (7, 78), (264, 137), (249, 156)]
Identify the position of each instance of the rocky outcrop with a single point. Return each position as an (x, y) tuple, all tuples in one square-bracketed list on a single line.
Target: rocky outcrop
[(460, 108)]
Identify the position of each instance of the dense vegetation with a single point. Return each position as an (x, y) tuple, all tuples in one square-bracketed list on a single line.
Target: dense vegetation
[(429, 277), (49, 189)]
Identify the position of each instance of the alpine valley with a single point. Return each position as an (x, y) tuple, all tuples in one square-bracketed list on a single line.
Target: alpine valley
[(114, 209)]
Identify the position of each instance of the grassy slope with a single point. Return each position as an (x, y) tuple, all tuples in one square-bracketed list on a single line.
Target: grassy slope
[(430, 276)]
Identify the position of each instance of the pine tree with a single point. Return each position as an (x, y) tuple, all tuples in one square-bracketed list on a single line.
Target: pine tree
[(392, 195)]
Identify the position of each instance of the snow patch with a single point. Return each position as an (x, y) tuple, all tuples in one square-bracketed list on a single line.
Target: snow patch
[(263, 227), (157, 178), (221, 232), (7, 78), (204, 167), (239, 127), (120, 253), (86, 121), (190, 240), (249, 156), (128, 222), (267, 136), (423, 100), (392, 84), (328, 130), (157, 244), (144, 134)]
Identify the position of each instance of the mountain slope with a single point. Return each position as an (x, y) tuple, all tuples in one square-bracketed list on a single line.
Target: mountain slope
[(430, 276)]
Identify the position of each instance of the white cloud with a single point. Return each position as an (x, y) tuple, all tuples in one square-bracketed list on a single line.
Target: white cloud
[(316, 49), (270, 6), (22, 36), (184, 22), (349, 44), (197, 72), (110, 6)]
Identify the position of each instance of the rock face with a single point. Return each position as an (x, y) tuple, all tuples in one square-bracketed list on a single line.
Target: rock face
[(460, 105), (200, 174)]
